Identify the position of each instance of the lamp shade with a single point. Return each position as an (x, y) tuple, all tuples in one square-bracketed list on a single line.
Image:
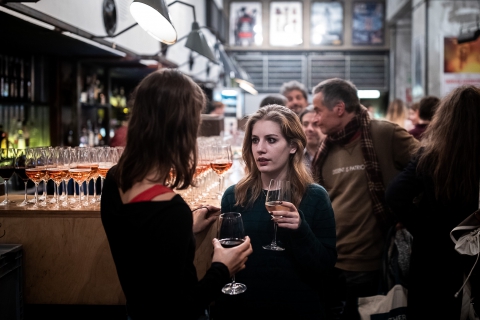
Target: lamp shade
[(152, 16), (196, 42)]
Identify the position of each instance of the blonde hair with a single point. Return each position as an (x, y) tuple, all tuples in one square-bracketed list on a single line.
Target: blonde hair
[(397, 112), (298, 173)]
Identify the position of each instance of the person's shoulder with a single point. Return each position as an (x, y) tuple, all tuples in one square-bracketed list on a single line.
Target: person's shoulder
[(315, 189), (383, 124)]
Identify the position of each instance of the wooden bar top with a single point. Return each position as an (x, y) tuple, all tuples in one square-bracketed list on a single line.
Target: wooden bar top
[(66, 256)]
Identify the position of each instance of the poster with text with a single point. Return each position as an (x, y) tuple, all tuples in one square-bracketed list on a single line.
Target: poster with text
[(286, 23), (327, 23), (461, 64), (246, 24), (368, 23)]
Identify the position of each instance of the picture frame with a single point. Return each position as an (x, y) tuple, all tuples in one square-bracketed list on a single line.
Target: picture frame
[(245, 24), (326, 23), (286, 23), (368, 23)]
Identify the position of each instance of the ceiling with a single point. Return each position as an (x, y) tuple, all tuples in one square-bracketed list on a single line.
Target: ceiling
[(22, 37)]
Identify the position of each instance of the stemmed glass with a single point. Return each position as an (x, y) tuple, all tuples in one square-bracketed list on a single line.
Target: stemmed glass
[(57, 173), (7, 168), (231, 234), (35, 170), (20, 160), (221, 162), (278, 191), (105, 162)]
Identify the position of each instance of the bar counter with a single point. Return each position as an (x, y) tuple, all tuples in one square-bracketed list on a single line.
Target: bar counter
[(66, 256)]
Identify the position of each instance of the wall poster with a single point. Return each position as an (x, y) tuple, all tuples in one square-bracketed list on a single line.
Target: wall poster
[(368, 23), (461, 64), (246, 24), (326, 23), (286, 21)]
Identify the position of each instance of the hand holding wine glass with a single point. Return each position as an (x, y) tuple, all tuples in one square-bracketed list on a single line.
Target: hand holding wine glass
[(231, 234), (278, 191)]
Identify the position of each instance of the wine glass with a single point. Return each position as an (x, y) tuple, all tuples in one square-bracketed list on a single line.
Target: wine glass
[(221, 162), (105, 162), (230, 234), (278, 191), (57, 173), (7, 168), (20, 160), (35, 170)]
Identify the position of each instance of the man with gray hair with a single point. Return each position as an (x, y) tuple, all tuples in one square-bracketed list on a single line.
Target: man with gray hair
[(356, 161), (296, 94)]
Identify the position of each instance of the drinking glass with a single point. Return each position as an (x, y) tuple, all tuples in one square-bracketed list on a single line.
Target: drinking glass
[(230, 234), (35, 170), (79, 175), (222, 160), (278, 191), (7, 168), (20, 160), (57, 172), (105, 162)]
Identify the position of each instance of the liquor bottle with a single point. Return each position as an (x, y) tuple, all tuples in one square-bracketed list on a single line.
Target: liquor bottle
[(28, 70), (2, 78), (6, 84)]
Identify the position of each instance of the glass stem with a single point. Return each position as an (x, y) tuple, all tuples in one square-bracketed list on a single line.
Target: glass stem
[(274, 233), (6, 191), (36, 194), (25, 196)]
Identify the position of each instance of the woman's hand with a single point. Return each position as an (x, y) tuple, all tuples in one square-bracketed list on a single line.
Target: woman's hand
[(288, 218), (204, 216), (234, 258)]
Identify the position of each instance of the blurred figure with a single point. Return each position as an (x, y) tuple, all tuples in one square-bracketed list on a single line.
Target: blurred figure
[(296, 94), (281, 284), (427, 107), (438, 190), (119, 139), (218, 108), (274, 99), (313, 133), (143, 216), (397, 113), (356, 161), (413, 113)]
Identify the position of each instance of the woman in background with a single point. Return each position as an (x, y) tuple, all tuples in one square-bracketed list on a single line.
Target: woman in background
[(149, 227), (435, 192), (397, 113)]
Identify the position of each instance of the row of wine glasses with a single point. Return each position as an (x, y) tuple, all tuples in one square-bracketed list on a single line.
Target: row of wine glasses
[(59, 164)]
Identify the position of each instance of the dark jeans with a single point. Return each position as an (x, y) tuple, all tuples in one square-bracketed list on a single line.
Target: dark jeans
[(346, 287)]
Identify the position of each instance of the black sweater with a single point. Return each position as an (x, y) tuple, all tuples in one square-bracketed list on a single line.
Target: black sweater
[(153, 248)]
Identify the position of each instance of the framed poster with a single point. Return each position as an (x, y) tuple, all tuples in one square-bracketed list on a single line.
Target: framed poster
[(286, 23), (326, 23), (368, 23), (246, 24)]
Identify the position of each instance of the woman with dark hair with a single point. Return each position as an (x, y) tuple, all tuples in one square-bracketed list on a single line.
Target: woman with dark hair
[(149, 227), (435, 192), (281, 284)]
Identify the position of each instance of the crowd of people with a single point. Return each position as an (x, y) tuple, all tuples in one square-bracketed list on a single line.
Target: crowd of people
[(353, 179)]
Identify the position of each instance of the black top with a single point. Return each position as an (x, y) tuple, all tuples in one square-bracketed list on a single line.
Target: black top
[(283, 284), (153, 248), (436, 269)]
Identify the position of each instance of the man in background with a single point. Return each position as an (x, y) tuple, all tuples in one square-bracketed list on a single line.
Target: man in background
[(313, 133), (426, 109), (296, 94), (356, 161)]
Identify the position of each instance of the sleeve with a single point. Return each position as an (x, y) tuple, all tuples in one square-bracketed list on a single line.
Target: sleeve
[(404, 145), (401, 195), (313, 244)]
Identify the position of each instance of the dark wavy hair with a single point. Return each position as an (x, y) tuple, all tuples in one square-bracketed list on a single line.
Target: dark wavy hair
[(450, 147), (162, 130)]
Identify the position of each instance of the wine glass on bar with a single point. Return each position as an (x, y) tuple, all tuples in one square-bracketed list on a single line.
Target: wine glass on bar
[(79, 175), (221, 162), (278, 191), (20, 160), (35, 170), (7, 168), (231, 234), (57, 173)]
